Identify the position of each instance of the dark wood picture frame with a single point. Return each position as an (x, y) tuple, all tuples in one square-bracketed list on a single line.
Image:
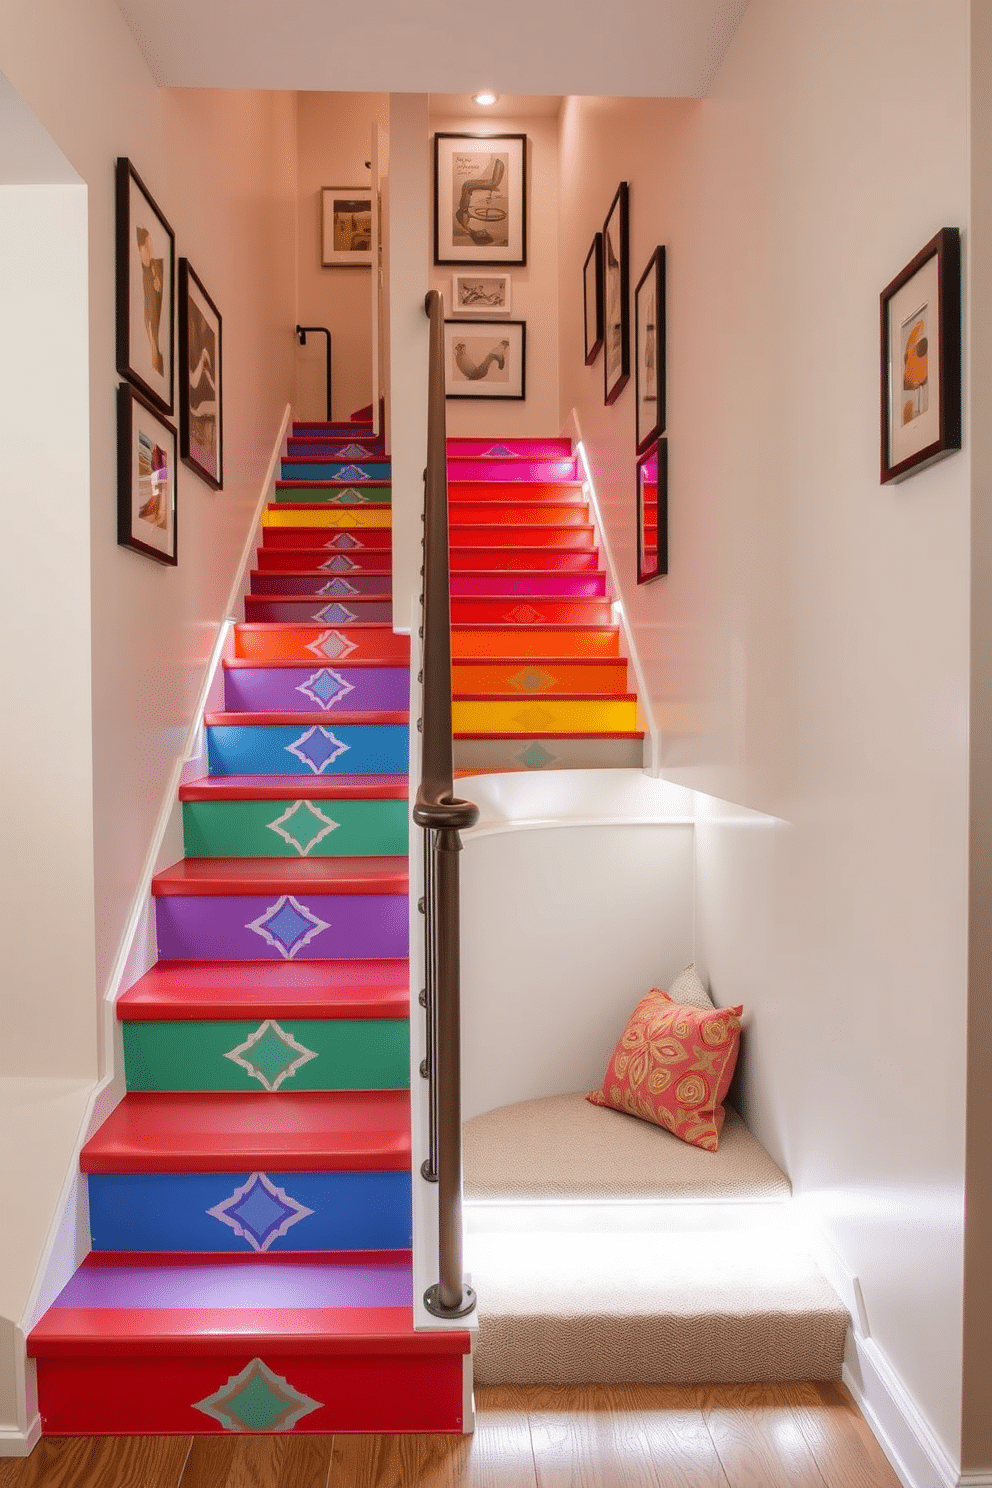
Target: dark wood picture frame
[(487, 224), (477, 364), (146, 478), (201, 379), (649, 352), (652, 500), (592, 299), (616, 296), (920, 336), (146, 288)]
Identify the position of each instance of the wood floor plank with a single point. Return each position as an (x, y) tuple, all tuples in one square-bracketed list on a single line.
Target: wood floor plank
[(497, 1455), (840, 1439), (10, 1471), (106, 1462), (290, 1461), (617, 1436), (759, 1438)]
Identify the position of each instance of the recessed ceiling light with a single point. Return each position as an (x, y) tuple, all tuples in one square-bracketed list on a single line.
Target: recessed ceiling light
[(485, 100)]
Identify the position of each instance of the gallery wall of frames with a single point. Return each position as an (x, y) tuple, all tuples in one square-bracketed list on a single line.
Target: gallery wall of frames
[(151, 288), (606, 314)]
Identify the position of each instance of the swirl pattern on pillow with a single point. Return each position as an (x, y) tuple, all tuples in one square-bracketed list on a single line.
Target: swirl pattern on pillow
[(673, 1065)]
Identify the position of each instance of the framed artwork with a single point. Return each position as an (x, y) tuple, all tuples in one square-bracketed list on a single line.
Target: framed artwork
[(592, 298), (616, 296), (649, 356), (201, 443), (921, 359), (146, 477), (346, 227), (652, 512), (480, 199), (485, 359), (146, 289), (480, 294)]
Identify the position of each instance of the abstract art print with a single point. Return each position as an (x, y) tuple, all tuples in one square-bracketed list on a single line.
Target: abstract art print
[(921, 359), (616, 296), (649, 341), (146, 478), (146, 287), (480, 199), (201, 444), (485, 359), (346, 227), (652, 512), (480, 294)]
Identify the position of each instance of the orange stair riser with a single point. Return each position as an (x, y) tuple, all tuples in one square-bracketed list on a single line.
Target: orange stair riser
[(319, 643), (551, 676), (510, 491), (534, 641)]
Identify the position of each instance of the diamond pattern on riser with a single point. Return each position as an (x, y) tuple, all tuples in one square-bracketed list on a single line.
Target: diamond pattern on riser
[(470, 468), (291, 829), (322, 689), (267, 1056), (171, 1211), (514, 515), (506, 449), (319, 643), (344, 517), (294, 925), (503, 582), (344, 494), (349, 563), (500, 493), (549, 754), (545, 715), (534, 640), (542, 535), (507, 610), (354, 609), (551, 675), (313, 580), (350, 542), (518, 560), (321, 748), (353, 472)]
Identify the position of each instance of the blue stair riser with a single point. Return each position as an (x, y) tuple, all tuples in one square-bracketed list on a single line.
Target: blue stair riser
[(329, 586), (318, 689), (323, 749), (282, 927), (352, 471), (318, 610), (171, 1211)]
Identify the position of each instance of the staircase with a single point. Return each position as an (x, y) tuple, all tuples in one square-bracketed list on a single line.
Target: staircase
[(250, 1197), (537, 676)]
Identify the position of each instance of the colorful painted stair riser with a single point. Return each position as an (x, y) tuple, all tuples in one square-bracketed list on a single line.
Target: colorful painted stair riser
[(266, 1054)]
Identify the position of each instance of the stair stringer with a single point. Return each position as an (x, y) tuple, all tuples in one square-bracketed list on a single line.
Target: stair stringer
[(646, 719), (67, 1241)]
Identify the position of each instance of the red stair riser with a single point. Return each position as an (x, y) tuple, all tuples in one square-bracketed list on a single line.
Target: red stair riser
[(517, 560), (207, 990), (535, 610), (547, 535), (516, 514), (552, 492), (321, 560), (360, 539), (319, 643)]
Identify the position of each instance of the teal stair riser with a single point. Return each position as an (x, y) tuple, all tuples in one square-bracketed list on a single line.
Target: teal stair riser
[(170, 1211), (352, 471), (295, 829), (320, 750), (306, 1054)]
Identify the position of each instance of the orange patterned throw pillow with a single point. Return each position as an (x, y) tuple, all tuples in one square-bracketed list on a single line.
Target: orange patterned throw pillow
[(672, 1066)]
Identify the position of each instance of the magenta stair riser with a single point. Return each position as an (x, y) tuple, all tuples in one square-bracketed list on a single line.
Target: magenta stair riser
[(328, 585), (354, 561), (281, 927), (551, 468), (342, 448), (148, 1395), (505, 583), (317, 689), (480, 609), (501, 449), (347, 540), (316, 610)]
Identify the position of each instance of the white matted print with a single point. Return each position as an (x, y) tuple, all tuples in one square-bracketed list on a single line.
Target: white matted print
[(146, 478), (346, 227), (485, 359), (481, 294), (480, 199)]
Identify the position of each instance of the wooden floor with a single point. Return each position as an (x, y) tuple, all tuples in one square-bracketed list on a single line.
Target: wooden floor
[(615, 1436)]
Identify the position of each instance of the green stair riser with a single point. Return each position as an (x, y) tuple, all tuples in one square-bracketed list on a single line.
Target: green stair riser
[(351, 1054), (334, 496), (243, 829)]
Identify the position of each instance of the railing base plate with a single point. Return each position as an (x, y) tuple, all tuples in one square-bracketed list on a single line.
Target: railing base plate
[(433, 1304)]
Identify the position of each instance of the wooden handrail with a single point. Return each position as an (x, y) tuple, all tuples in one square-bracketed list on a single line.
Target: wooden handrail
[(442, 815)]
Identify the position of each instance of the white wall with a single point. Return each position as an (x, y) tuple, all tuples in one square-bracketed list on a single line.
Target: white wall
[(534, 286), (809, 649), (334, 138)]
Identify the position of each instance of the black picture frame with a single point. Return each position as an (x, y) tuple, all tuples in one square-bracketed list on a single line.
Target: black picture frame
[(472, 351), (201, 379), (146, 478), (652, 512), (592, 299), (649, 351), (480, 199), (616, 296), (146, 288), (920, 326)]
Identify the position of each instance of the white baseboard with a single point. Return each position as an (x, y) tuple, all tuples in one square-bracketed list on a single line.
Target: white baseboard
[(17, 1443), (904, 1433)]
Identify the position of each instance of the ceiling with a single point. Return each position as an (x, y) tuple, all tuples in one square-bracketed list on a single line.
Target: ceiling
[(623, 48)]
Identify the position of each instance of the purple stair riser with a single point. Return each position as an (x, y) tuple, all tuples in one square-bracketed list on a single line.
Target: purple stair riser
[(320, 610), (278, 689), (329, 585), (347, 564), (287, 1285), (217, 927)]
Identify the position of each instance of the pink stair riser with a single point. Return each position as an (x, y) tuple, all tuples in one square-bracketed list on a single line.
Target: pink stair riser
[(281, 927), (503, 582), (550, 468), (369, 1392), (316, 609), (318, 560), (508, 449), (276, 689)]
